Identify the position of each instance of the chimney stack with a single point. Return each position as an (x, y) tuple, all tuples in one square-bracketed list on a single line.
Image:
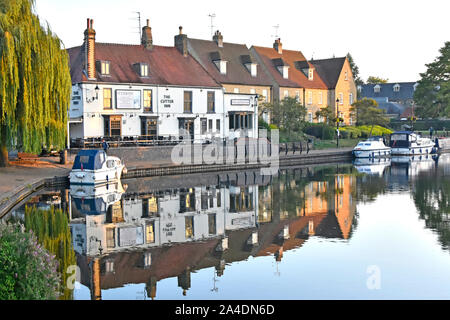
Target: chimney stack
[(89, 49), (181, 42), (147, 39), (218, 39), (278, 46)]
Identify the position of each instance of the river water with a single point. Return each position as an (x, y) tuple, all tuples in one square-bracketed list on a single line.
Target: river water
[(368, 230)]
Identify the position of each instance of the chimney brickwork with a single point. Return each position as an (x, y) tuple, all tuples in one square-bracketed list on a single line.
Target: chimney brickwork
[(89, 49), (147, 39), (181, 42), (218, 39), (278, 46)]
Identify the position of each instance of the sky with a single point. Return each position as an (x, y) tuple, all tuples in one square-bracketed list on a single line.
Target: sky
[(391, 39)]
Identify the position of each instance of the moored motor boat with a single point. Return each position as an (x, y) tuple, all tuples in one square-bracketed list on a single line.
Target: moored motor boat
[(406, 143), (95, 167), (373, 147)]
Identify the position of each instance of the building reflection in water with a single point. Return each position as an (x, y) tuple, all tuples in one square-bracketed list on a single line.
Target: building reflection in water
[(138, 236)]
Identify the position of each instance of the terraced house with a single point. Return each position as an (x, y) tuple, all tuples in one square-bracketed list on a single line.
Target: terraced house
[(232, 65), (293, 76), (338, 77), (150, 92)]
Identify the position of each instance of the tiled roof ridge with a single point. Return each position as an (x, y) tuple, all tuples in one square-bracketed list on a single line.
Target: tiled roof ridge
[(231, 43), (327, 59)]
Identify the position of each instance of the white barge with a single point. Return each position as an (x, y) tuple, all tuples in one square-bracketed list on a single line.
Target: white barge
[(95, 167)]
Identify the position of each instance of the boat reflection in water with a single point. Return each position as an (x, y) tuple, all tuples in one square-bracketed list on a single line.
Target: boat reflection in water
[(148, 235), (375, 166)]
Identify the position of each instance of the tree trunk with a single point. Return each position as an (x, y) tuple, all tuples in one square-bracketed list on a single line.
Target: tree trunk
[(4, 161)]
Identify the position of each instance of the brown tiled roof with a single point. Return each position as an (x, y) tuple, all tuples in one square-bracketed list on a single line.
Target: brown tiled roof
[(329, 70), (167, 66), (293, 59), (236, 55)]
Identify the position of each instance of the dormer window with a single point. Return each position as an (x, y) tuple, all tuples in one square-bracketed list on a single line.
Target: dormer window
[(249, 64), (220, 63), (104, 68), (284, 70), (377, 88), (311, 74), (282, 67), (143, 70), (396, 87), (252, 68)]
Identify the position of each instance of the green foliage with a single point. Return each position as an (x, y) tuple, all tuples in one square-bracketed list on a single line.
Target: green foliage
[(321, 131), (52, 230), (422, 125), (363, 132), (432, 94), (35, 83), (27, 270), (288, 114), (355, 70), (376, 80), (328, 114), (367, 112)]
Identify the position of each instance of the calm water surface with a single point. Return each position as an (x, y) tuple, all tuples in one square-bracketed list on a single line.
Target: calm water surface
[(348, 231)]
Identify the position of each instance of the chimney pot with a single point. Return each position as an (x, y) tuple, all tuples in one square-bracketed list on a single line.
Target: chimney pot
[(148, 22), (181, 29), (92, 23)]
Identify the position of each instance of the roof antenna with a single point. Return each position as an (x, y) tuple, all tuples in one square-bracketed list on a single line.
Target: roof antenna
[(212, 16), (277, 27), (138, 18)]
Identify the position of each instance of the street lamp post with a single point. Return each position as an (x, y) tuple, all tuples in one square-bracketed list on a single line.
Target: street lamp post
[(337, 122)]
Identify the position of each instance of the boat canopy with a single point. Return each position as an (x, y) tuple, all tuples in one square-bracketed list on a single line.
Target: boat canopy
[(89, 160)]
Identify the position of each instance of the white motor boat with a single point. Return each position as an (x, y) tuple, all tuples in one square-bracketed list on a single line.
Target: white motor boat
[(373, 147), (95, 167), (406, 143)]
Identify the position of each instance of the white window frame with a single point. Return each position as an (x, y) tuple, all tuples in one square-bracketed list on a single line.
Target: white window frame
[(320, 97), (311, 74), (341, 98), (350, 98), (105, 68), (310, 97), (144, 70), (377, 88)]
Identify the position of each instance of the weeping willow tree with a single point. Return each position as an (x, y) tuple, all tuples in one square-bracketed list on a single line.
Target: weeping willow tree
[(35, 84), (51, 227)]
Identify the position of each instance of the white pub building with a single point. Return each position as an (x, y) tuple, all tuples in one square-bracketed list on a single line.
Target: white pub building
[(147, 92)]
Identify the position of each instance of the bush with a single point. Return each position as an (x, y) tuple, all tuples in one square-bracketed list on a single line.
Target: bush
[(321, 131), (27, 271), (363, 132)]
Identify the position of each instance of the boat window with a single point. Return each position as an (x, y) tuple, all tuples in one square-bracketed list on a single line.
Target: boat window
[(110, 163), (84, 159), (403, 137), (367, 144)]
